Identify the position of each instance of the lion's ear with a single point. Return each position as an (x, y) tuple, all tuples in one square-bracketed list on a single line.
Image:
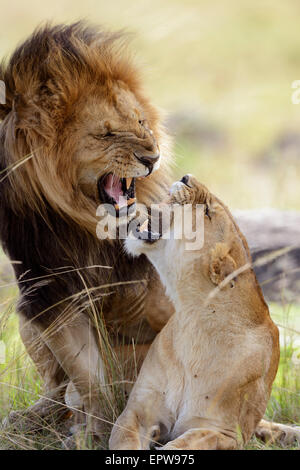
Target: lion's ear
[(221, 263)]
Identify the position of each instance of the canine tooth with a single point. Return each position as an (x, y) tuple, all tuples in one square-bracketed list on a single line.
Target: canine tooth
[(131, 201), (144, 226), (128, 182)]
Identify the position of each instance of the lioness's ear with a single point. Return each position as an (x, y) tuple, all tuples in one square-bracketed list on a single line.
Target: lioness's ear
[(221, 263)]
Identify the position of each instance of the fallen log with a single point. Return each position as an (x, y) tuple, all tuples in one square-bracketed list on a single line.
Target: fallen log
[(273, 236), (274, 240)]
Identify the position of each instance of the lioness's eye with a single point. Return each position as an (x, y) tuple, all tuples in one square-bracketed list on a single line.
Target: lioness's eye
[(207, 211)]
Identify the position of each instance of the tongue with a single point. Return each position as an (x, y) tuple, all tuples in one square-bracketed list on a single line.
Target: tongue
[(113, 188)]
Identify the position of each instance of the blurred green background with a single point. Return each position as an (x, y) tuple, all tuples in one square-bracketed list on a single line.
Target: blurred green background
[(223, 73)]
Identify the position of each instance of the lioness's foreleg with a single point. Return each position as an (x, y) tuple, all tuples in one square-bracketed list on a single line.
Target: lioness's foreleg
[(278, 433), (132, 431), (125, 434), (201, 439)]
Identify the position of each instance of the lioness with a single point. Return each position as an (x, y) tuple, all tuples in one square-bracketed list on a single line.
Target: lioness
[(208, 375), (77, 131)]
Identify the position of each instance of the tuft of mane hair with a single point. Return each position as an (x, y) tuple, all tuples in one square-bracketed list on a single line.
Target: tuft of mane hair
[(47, 215), (45, 78), (61, 56)]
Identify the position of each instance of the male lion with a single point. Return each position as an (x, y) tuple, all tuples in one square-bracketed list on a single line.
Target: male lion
[(77, 131), (209, 372)]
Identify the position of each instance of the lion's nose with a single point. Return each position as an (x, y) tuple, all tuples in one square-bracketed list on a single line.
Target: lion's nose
[(147, 160)]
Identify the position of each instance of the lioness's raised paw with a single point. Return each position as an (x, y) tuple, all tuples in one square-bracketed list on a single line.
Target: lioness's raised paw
[(188, 190), (181, 192)]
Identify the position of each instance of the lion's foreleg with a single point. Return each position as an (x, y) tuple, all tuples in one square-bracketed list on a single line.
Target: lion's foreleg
[(51, 404), (77, 351), (47, 365)]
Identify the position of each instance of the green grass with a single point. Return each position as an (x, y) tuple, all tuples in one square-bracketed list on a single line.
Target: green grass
[(223, 72), (21, 386), (224, 66)]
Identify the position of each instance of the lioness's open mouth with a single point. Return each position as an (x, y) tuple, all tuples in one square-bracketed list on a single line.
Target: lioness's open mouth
[(119, 192)]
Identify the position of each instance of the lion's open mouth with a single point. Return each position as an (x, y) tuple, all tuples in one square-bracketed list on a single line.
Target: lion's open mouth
[(119, 192)]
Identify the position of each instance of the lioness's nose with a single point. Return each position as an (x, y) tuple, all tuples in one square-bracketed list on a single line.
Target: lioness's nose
[(147, 160)]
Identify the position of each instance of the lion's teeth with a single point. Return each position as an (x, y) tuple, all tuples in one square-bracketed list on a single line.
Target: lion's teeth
[(128, 182)]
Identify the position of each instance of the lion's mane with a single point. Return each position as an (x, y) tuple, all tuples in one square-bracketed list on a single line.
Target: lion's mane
[(47, 224)]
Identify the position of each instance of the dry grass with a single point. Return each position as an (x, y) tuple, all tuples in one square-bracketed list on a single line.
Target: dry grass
[(20, 385), (223, 71)]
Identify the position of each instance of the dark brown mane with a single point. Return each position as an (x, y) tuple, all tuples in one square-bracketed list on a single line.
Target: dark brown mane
[(60, 55), (46, 221), (45, 78)]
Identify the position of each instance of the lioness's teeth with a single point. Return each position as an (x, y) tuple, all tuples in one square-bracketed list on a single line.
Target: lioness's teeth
[(128, 182), (131, 201), (144, 226)]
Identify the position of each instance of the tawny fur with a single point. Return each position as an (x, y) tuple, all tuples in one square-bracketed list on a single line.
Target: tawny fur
[(207, 378), (67, 86)]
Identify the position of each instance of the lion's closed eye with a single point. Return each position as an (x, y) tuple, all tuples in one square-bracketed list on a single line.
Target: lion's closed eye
[(103, 135)]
